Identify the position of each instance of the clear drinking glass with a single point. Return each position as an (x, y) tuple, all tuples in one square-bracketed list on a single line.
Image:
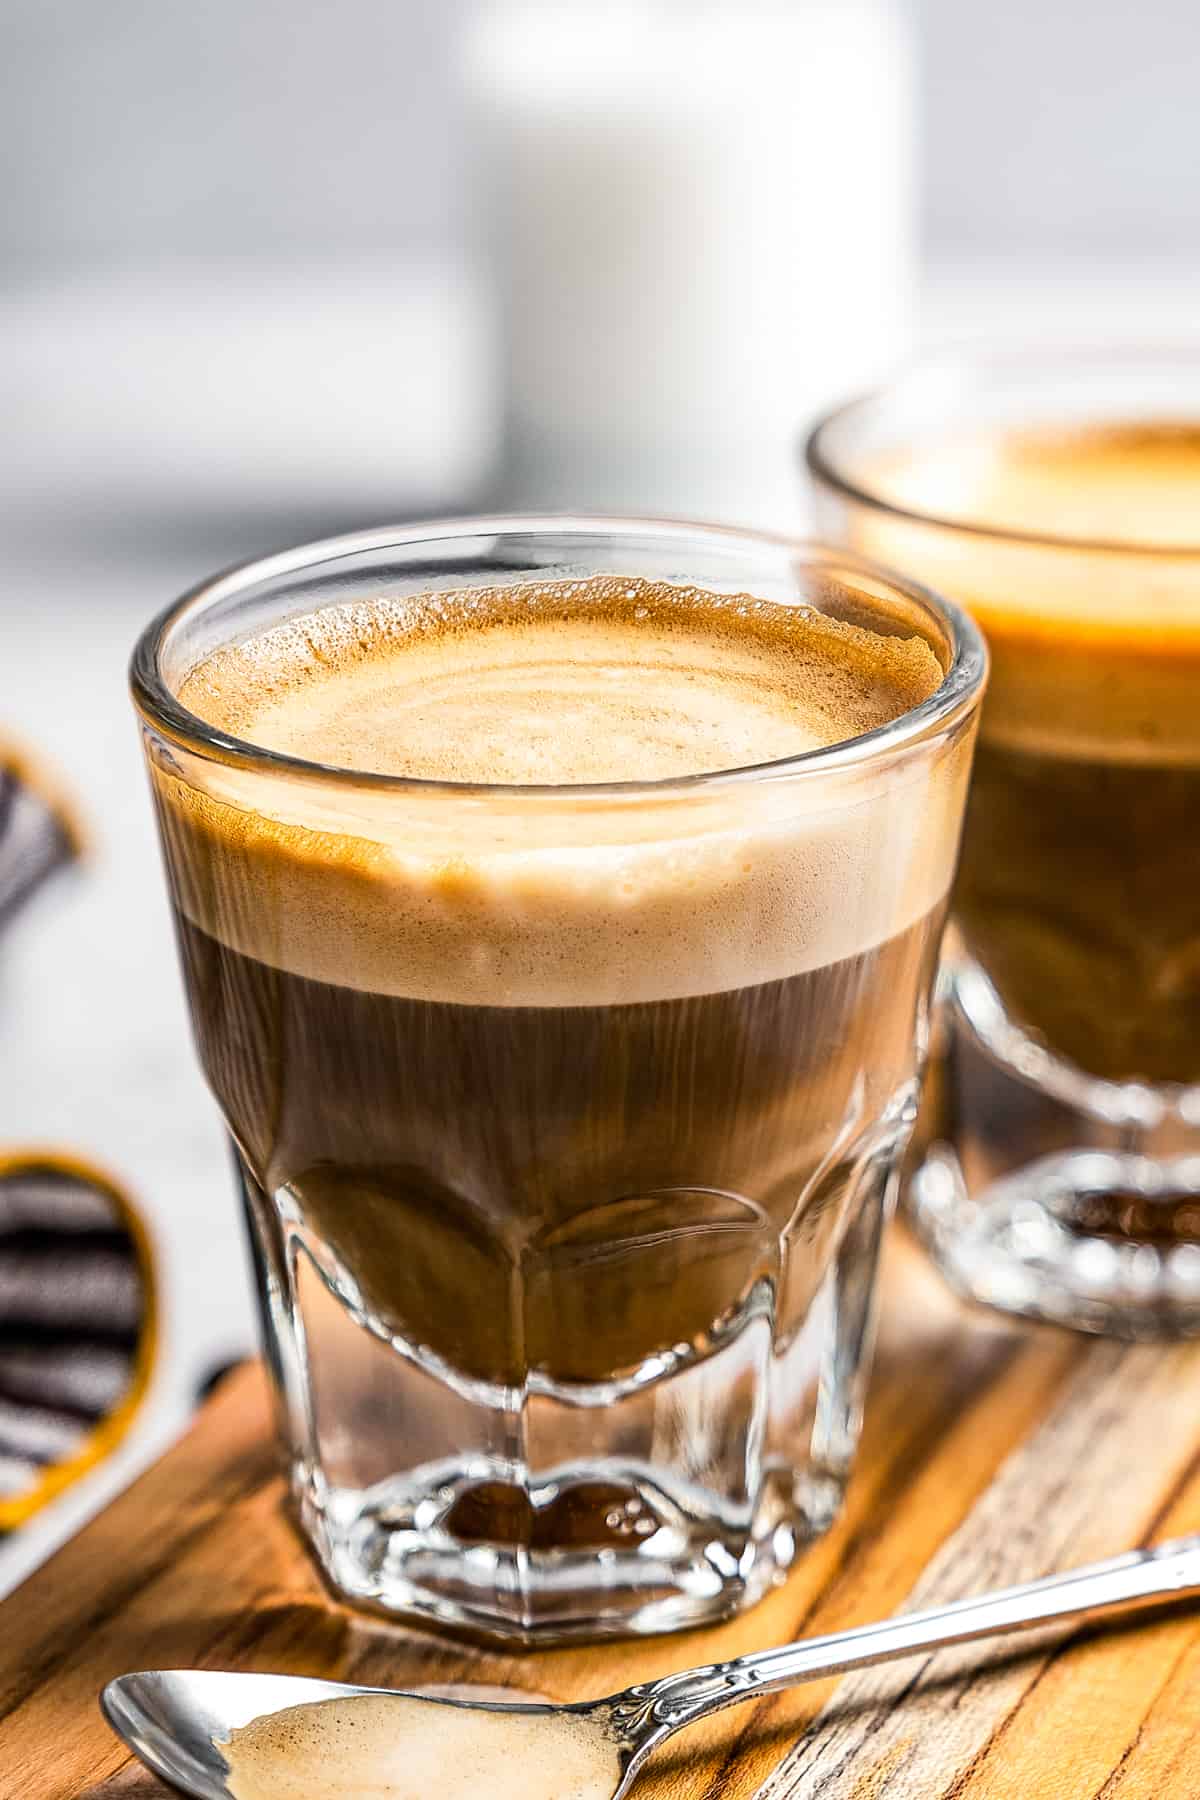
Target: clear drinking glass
[(1063, 1176), (566, 1234)]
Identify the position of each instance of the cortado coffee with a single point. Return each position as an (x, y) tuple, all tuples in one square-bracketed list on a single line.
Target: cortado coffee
[(561, 1077), (1081, 856)]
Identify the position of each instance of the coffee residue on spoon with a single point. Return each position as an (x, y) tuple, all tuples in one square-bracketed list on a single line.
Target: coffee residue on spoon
[(397, 1747)]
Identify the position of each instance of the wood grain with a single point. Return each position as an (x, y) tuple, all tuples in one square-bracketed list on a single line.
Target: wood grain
[(993, 1452)]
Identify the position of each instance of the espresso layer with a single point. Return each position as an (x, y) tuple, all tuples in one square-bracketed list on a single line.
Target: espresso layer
[(529, 898), (1077, 893), (1095, 652), (569, 1190)]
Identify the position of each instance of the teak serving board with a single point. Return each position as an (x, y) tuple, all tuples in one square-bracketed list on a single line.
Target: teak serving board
[(993, 1452)]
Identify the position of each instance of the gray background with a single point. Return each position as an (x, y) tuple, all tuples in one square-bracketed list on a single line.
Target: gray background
[(1050, 126)]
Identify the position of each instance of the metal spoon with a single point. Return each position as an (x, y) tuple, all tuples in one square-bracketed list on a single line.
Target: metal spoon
[(177, 1720)]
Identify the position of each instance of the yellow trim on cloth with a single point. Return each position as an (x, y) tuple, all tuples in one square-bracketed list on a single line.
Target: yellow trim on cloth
[(16, 1509)]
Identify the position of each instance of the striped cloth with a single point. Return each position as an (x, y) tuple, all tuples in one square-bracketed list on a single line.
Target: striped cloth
[(77, 1324), (38, 832), (77, 1298)]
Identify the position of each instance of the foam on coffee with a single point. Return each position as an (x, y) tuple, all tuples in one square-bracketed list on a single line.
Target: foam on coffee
[(1133, 485), (391, 1747), (1095, 644), (524, 897), (608, 680)]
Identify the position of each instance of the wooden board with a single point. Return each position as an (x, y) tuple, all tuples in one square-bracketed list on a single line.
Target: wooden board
[(993, 1452)]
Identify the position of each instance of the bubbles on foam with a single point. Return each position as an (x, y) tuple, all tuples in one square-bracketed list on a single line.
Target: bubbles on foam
[(580, 900), (611, 679)]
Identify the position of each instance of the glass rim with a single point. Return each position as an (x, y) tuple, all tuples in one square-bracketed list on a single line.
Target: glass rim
[(1014, 361), (958, 691)]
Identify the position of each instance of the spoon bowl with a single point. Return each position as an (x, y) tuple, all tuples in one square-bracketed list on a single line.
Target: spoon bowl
[(175, 1720), (179, 1723)]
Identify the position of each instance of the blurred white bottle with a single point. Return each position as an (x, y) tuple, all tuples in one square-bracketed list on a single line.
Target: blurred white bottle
[(701, 222)]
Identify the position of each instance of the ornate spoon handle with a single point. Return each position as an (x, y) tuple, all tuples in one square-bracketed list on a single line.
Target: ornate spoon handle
[(660, 1707)]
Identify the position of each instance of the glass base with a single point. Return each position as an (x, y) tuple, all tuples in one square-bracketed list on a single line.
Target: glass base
[(1044, 1192), (402, 1549), (670, 1496), (646, 1505)]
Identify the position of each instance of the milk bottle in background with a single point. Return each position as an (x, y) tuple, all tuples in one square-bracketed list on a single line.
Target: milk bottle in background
[(701, 226)]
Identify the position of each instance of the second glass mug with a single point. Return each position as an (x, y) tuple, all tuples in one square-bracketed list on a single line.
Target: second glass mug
[(566, 1292), (1063, 1179)]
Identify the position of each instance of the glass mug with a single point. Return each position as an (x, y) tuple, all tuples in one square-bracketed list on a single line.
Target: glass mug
[(566, 1288), (1055, 495)]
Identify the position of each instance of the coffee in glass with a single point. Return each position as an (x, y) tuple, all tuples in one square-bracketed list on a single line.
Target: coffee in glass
[(1058, 498), (558, 906)]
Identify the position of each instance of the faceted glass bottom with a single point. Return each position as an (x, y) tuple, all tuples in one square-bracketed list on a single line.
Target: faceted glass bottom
[(1048, 1193), (672, 1496)]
